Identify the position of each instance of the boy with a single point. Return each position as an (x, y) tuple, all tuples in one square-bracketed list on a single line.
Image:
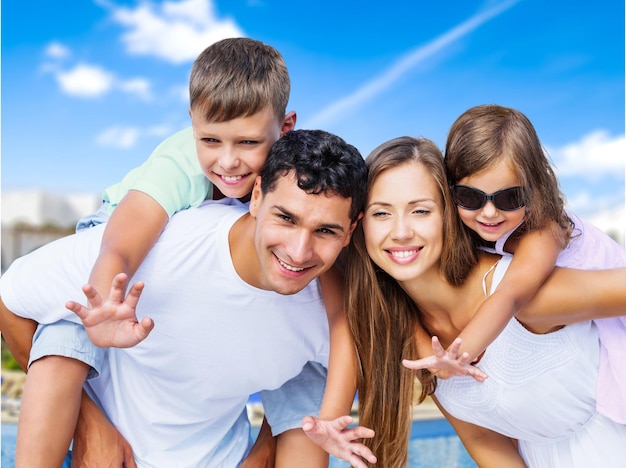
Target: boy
[(239, 90)]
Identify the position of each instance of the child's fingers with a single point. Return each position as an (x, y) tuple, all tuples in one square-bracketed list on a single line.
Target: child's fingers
[(132, 298), (118, 288), (145, 327), (92, 295), (77, 308)]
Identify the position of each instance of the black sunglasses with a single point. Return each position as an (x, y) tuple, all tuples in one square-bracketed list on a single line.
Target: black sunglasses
[(470, 198)]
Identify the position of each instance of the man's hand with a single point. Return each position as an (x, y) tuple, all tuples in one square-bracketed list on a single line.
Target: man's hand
[(97, 442), (447, 363), (113, 323), (263, 452), (339, 440)]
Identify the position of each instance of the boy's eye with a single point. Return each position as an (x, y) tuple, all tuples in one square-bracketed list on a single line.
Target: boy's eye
[(249, 142), (209, 140)]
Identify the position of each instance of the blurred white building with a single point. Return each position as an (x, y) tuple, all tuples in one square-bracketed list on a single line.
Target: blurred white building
[(32, 218)]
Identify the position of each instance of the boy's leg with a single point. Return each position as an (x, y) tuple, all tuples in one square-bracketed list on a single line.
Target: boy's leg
[(284, 409), (49, 411), (61, 358)]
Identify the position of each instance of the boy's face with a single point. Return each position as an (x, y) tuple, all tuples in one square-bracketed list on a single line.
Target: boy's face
[(298, 235), (232, 153)]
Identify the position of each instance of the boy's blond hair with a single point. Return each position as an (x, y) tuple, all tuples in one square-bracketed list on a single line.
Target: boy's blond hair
[(238, 77)]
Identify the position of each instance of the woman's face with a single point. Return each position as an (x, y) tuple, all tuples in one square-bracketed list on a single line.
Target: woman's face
[(403, 222)]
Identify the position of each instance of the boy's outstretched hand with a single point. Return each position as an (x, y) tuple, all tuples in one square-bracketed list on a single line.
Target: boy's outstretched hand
[(339, 440), (447, 363), (113, 322)]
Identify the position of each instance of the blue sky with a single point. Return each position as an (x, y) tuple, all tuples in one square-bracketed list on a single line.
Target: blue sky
[(88, 93)]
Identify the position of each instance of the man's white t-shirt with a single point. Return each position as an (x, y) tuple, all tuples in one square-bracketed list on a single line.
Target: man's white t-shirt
[(178, 396)]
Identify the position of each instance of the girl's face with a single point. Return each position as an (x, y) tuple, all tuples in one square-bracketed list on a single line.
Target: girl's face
[(489, 222), (403, 222)]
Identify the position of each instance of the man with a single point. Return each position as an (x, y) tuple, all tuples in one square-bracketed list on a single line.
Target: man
[(234, 296)]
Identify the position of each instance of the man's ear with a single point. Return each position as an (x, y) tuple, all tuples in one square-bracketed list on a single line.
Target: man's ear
[(352, 228), (289, 123), (255, 198)]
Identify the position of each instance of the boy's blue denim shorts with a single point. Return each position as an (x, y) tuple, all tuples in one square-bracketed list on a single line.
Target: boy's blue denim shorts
[(66, 338), (299, 397)]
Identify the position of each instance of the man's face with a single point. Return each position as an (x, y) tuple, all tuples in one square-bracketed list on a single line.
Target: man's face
[(298, 235), (232, 153)]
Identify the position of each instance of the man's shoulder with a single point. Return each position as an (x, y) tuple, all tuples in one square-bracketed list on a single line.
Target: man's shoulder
[(208, 215)]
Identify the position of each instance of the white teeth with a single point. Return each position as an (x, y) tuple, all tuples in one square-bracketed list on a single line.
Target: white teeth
[(404, 253), (231, 178), (289, 267)]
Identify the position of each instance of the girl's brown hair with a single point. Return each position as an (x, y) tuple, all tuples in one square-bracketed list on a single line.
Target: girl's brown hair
[(485, 135)]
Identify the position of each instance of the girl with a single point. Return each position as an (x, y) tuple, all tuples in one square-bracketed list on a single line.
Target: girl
[(508, 198)]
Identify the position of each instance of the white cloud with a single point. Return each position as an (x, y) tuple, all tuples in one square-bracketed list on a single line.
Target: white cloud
[(85, 81), (386, 80), (119, 137), (137, 86), (596, 155), (57, 51), (173, 31), (91, 81)]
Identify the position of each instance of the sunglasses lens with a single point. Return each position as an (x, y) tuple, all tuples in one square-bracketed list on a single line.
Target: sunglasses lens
[(468, 198), (510, 199)]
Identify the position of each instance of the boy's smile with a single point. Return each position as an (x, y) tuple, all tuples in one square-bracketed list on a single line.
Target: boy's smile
[(232, 153)]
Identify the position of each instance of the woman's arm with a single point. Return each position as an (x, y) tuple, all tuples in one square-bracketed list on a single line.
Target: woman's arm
[(330, 430), (570, 296), (486, 447)]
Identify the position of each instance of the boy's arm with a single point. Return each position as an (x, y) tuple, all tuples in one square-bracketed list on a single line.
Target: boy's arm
[(134, 227)]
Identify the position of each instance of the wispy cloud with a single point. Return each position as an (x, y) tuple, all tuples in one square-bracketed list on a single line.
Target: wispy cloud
[(57, 51), (172, 31), (124, 137), (383, 82)]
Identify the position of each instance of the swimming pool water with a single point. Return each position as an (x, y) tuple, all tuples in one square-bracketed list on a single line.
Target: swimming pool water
[(433, 445)]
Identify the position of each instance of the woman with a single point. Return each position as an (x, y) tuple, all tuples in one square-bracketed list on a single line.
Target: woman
[(410, 268)]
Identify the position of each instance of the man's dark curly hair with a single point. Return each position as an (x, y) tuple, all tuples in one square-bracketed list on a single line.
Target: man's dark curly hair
[(322, 163)]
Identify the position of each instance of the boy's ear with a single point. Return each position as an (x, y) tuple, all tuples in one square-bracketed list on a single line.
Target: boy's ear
[(255, 198), (289, 123)]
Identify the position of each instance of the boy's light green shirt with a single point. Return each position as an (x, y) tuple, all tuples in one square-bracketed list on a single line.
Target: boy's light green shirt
[(171, 175)]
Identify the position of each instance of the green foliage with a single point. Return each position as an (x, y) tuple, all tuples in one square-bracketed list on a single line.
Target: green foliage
[(8, 361)]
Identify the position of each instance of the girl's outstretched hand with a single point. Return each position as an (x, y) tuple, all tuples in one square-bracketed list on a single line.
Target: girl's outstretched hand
[(447, 363), (339, 440), (113, 322)]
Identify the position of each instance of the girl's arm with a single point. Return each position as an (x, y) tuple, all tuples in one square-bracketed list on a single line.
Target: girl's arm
[(486, 447), (570, 296), (134, 226), (330, 431), (533, 260)]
